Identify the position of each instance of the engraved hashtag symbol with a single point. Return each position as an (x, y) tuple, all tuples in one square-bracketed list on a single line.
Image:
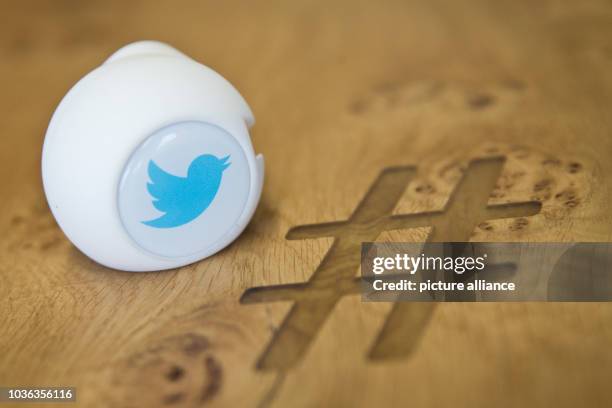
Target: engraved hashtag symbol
[(335, 276)]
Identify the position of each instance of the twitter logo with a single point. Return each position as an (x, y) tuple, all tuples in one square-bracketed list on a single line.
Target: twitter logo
[(183, 199)]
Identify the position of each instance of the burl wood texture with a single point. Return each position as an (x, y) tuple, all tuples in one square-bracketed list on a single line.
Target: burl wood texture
[(403, 121)]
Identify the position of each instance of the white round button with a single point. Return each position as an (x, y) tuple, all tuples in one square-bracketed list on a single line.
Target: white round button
[(183, 189), (148, 163)]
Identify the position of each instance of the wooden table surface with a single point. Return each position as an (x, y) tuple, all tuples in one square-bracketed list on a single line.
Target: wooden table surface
[(478, 103)]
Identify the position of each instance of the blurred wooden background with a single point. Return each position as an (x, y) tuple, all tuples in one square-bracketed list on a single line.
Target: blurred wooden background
[(341, 90)]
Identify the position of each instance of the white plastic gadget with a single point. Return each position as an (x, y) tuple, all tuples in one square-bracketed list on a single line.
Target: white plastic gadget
[(147, 163)]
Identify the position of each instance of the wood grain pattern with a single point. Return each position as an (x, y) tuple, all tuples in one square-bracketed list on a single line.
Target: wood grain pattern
[(341, 91)]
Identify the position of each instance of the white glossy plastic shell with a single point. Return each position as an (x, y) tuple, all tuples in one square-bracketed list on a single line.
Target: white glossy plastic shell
[(104, 118)]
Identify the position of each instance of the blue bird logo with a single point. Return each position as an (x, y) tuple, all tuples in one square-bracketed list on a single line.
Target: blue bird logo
[(182, 199)]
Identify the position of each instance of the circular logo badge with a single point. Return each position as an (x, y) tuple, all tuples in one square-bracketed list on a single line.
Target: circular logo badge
[(183, 189)]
